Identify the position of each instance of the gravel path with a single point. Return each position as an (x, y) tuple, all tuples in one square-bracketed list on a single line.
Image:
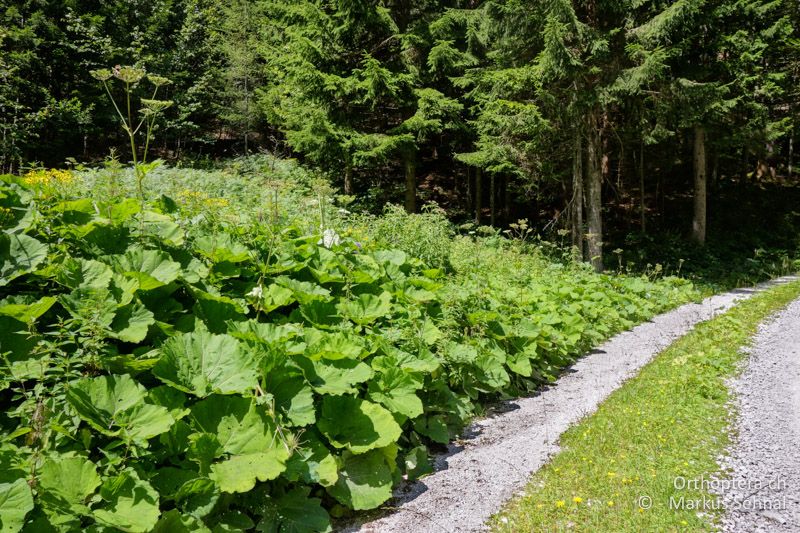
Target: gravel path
[(765, 458), (498, 454)]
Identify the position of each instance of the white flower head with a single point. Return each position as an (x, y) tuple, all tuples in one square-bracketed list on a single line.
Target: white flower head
[(257, 292), (329, 238)]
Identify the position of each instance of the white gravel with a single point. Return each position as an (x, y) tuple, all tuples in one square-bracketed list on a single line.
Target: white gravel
[(497, 455), (764, 460)]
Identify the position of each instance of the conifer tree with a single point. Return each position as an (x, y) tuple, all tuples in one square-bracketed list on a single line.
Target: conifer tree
[(712, 61)]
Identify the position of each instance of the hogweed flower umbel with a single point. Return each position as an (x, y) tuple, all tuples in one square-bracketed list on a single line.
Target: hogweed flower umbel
[(128, 74)]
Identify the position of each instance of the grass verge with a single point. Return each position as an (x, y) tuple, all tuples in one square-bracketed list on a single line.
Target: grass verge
[(617, 469)]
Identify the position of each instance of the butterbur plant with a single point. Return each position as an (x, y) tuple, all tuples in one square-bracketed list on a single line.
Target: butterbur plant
[(133, 125)]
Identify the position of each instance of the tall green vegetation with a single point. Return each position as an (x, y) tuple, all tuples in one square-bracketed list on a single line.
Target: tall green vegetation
[(184, 366)]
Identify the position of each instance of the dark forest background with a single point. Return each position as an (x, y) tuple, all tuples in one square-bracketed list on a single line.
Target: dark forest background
[(659, 127)]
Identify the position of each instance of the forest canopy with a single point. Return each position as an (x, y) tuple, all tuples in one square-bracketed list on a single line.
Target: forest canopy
[(498, 109)]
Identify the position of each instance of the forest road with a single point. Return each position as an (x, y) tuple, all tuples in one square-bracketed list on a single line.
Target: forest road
[(762, 493), (496, 455)]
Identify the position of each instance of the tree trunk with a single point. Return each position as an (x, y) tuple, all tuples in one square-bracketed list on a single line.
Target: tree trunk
[(642, 207), (577, 195), (470, 194), (492, 198), (348, 179), (411, 184), (478, 195), (700, 178), (507, 200), (791, 152), (594, 201)]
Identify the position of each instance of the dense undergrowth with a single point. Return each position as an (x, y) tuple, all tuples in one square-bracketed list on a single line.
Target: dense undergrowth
[(232, 359)]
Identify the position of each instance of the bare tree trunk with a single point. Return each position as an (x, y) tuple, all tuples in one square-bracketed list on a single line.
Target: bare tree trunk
[(478, 195), (594, 183), (348, 179), (642, 207), (492, 199), (411, 184), (577, 194), (507, 199), (791, 152), (700, 179), (470, 193)]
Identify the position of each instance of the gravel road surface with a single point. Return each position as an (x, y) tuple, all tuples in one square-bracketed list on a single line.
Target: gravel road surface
[(763, 492)]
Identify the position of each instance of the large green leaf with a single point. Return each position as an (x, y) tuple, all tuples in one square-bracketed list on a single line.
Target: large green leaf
[(82, 273), (64, 485), (267, 333), (19, 255), (293, 397), (240, 472), (396, 390), (365, 481), (324, 315), (131, 322), (163, 227), (174, 522), (274, 297), (151, 268), (201, 363), (367, 308), (26, 308), (16, 344), (294, 512), (131, 504), (422, 361), (336, 345), (334, 376), (198, 496), (216, 311), (16, 501), (304, 291), (239, 424), (312, 463), (193, 493), (356, 424), (245, 432), (114, 405), (19, 212), (221, 248)]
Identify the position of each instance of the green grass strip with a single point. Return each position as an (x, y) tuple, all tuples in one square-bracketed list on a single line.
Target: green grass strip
[(617, 469)]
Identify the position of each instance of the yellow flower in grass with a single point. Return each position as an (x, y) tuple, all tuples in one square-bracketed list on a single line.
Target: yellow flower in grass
[(215, 203), (560, 504), (610, 503), (577, 499)]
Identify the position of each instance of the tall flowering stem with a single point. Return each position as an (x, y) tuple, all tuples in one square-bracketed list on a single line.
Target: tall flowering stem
[(149, 110)]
